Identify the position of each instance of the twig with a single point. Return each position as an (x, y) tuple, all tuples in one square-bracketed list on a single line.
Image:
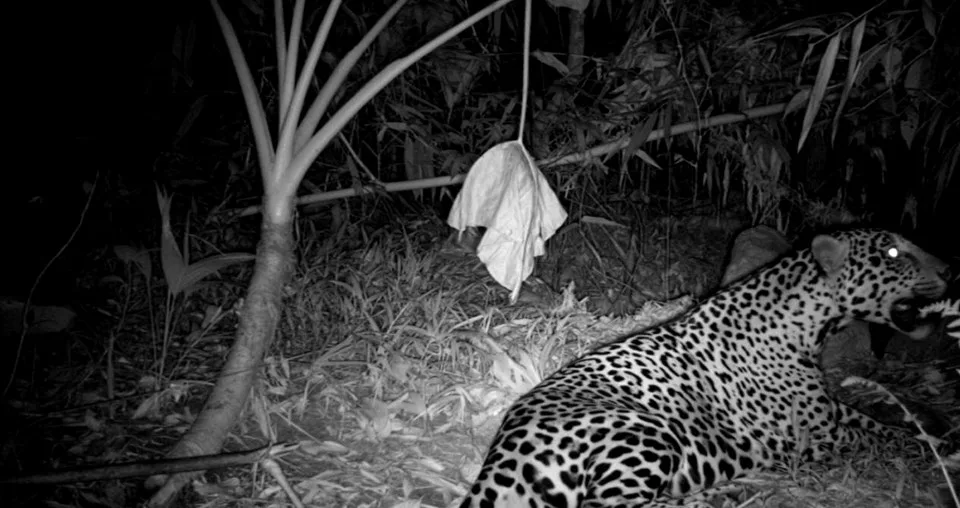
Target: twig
[(24, 325), (148, 468)]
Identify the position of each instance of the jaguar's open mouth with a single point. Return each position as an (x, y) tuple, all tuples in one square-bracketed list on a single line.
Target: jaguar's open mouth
[(905, 314)]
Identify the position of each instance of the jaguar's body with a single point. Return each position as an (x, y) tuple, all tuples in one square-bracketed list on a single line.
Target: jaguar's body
[(729, 387)]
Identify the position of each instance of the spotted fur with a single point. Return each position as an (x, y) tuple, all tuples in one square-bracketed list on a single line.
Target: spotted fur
[(730, 387)]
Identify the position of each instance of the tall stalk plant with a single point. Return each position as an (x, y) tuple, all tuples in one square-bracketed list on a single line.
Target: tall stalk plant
[(282, 166)]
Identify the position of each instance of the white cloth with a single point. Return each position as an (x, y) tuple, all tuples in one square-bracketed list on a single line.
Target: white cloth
[(506, 193)]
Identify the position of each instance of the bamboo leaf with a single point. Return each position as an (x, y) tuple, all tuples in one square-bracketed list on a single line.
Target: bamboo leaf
[(929, 17), (797, 101), (856, 40), (189, 119), (645, 157), (550, 60), (637, 140), (640, 135), (827, 62)]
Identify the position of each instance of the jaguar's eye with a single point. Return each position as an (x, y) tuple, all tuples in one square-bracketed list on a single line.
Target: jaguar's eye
[(893, 252)]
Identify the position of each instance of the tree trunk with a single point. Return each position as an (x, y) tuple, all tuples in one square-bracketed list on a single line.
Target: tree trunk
[(258, 323)]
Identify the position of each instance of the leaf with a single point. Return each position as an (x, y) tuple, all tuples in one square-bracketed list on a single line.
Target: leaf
[(667, 126), (640, 136), (139, 257), (189, 119), (409, 503), (804, 31), (170, 258), (203, 269), (148, 408), (915, 80), (550, 60), (892, 64), (801, 28), (856, 40), (929, 17), (111, 279), (827, 62), (324, 447), (909, 124), (51, 319), (92, 422), (415, 404), (125, 253), (181, 277), (645, 157), (797, 101), (870, 59), (514, 376)]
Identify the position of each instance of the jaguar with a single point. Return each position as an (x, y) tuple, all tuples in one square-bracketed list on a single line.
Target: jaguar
[(732, 386)]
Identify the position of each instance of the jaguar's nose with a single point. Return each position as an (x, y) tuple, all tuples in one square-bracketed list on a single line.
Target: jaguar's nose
[(948, 274)]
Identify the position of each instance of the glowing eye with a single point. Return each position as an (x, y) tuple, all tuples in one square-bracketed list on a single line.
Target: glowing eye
[(893, 252)]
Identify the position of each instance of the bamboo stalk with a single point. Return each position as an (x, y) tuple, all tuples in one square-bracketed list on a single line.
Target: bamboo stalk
[(575, 158)]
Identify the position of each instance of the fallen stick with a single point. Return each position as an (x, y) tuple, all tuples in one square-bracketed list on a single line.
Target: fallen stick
[(147, 468)]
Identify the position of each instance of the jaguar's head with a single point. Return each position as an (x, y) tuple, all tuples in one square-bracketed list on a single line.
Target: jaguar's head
[(879, 276)]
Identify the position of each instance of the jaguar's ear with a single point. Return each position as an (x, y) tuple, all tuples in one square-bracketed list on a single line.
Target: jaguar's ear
[(830, 252)]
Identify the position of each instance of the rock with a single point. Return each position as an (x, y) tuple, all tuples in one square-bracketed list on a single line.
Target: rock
[(41, 320), (752, 249)]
